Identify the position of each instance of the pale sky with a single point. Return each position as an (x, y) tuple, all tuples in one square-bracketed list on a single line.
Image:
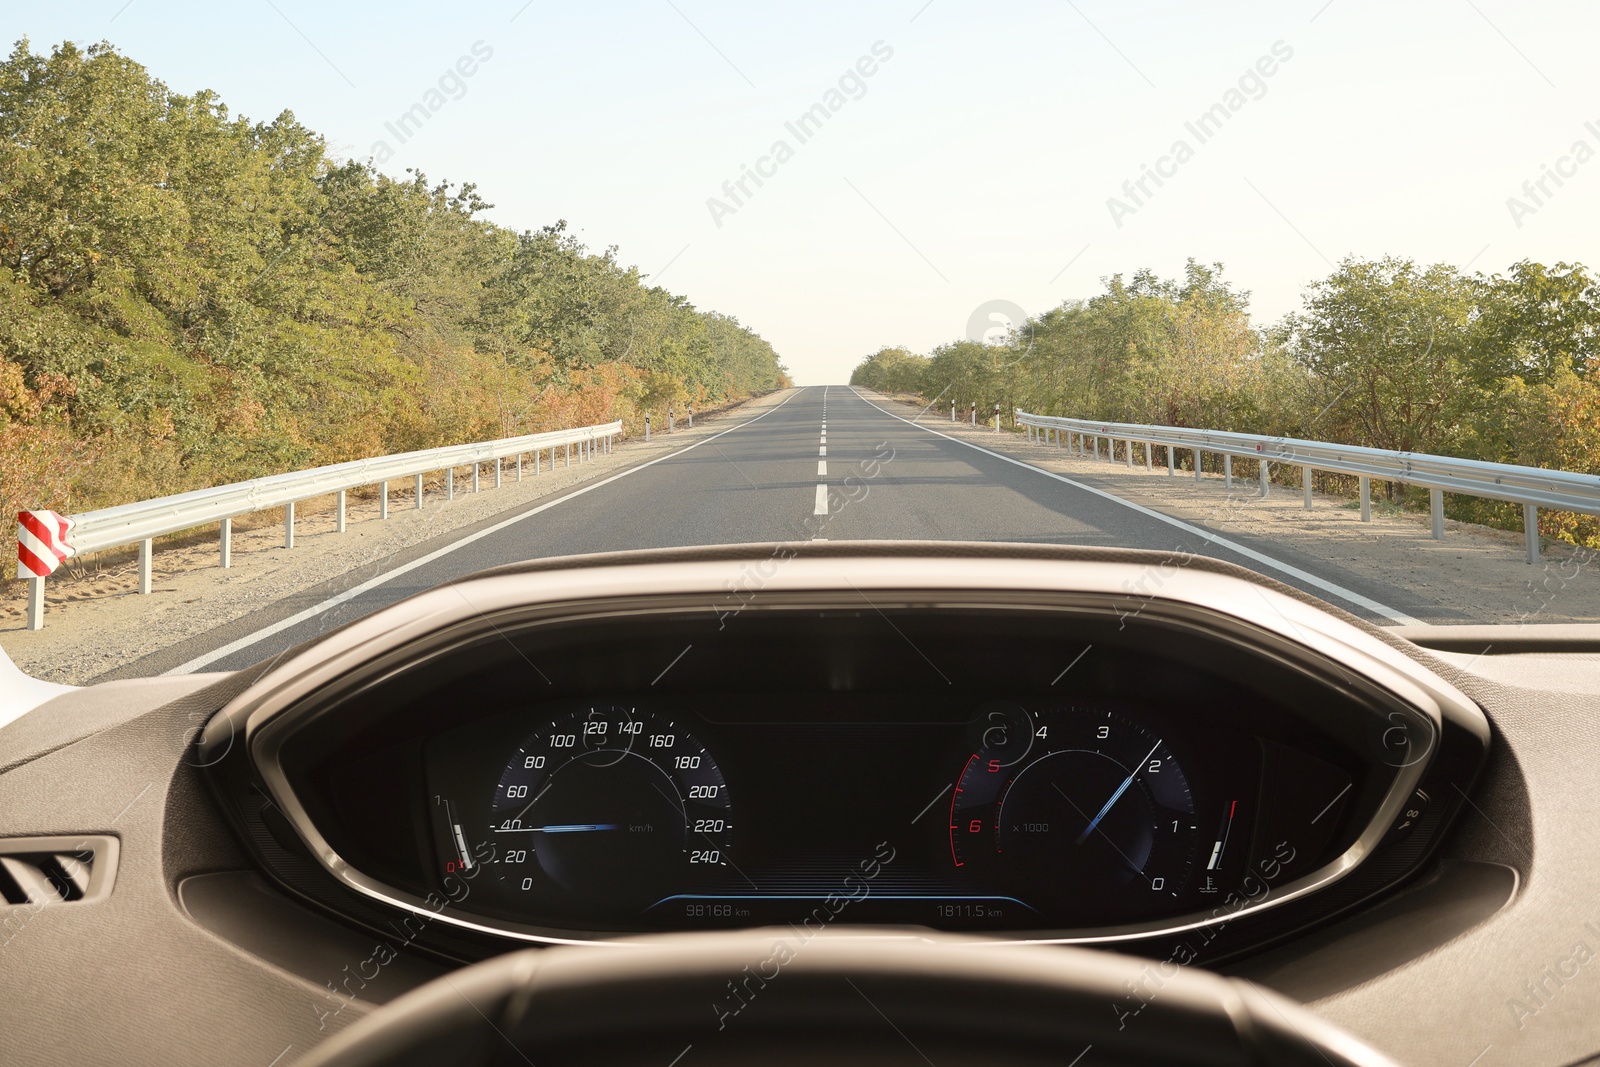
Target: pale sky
[(973, 164)]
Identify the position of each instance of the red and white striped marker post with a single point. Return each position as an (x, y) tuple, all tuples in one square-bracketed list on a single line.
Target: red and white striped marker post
[(41, 548)]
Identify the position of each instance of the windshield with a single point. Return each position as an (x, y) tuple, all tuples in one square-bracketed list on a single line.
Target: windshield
[(383, 298)]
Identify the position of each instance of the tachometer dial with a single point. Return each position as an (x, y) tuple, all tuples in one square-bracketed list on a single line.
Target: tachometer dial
[(1098, 811), (609, 809)]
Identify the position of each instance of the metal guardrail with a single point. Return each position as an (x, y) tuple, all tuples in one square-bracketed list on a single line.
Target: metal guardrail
[(141, 522), (1531, 487)]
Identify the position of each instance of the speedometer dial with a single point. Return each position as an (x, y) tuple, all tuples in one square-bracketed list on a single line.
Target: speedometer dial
[(1097, 809), (606, 810)]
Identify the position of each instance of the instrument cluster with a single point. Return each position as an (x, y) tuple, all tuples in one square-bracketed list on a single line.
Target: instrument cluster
[(666, 813), (1064, 773)]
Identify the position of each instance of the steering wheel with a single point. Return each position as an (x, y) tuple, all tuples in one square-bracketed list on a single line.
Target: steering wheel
[(784, 996)]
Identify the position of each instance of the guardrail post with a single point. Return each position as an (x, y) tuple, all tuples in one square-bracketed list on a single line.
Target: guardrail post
[(419, 492), (1128, 451), (1172, 462), (383, 500), (450, 484), (1530, 528), (1094, 443), (1436, 512), (1197, 465), (569, 455), (225, 543), (1227, 471), (1305, 476), (498, 470), (35, 603), (1366, 498), (338, 524), (519, 466), (288, 525), (1149, 456), (476, 467), (537, 455), (1266, 478), (147, 552)]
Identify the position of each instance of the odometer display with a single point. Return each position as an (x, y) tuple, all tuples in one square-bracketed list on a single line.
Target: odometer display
[(605, 811)]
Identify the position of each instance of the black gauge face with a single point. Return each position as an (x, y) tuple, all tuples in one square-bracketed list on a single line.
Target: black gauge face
[(1091, 807), (608, 810)]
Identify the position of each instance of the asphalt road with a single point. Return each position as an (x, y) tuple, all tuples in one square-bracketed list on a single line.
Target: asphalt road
[(758, 482)]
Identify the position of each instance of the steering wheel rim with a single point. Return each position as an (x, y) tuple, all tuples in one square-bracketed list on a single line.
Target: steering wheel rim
[(783, 996)]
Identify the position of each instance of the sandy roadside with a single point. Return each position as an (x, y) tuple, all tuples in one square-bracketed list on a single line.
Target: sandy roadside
[(1475, 575), (96, 621)]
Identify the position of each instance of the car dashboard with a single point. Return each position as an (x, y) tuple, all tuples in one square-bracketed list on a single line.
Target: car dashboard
[(1175, 760), (1079, 767)]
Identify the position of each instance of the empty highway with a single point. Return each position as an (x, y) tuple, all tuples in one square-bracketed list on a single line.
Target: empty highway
[(881, 477)]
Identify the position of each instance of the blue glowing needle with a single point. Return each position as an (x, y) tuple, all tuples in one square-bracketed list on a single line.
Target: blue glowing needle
[(574, 828), (1121, 789)]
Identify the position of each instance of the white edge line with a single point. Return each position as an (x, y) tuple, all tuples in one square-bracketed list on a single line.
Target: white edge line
[(1326, 586), (421, 561)]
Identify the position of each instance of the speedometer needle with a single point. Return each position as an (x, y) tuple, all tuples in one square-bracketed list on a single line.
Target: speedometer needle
[(1121, 789)]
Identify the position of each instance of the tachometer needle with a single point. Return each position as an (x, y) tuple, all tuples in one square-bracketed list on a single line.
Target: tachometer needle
[(1121, 789)]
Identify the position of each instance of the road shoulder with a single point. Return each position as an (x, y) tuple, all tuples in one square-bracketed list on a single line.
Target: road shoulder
[(98, 625)]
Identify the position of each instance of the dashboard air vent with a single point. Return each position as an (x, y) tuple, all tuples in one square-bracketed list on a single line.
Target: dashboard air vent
[(37, 871)]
